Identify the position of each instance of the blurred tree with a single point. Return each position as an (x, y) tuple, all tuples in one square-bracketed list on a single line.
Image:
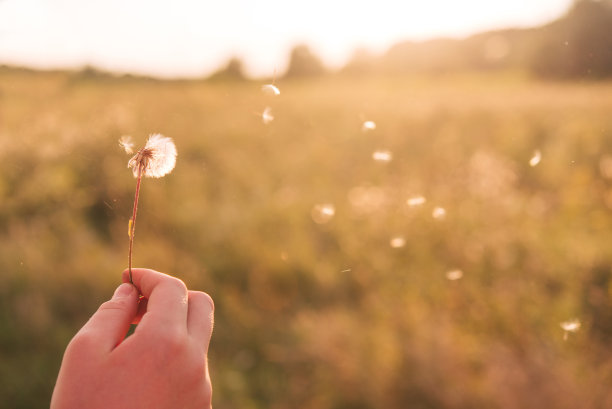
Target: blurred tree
[(233, 71), (303, 63), (577, 45), (363, 62)]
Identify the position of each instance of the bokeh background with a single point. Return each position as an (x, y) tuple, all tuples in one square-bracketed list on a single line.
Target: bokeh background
[(425, 227)]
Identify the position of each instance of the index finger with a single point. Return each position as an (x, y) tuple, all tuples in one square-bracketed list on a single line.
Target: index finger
[(166, 295)]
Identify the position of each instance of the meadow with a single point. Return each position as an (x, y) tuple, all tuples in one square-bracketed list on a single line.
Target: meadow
[(337, 283)]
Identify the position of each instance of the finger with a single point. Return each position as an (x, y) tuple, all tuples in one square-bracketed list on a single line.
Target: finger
[(108, 326), (166, 298), (142, 308), (200, 317)]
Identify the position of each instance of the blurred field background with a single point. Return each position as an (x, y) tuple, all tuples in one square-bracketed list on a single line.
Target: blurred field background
[(331, 290)]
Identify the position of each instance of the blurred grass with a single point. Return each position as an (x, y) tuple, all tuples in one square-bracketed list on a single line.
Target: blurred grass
[(323, 315)]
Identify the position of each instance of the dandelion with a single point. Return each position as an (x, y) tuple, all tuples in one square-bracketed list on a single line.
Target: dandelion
[(536, 158), (368, 126), (270, 89), (267, 116), (454, 275), (415, 201), (438, 213), (570, 326), (382, 156), (397, 242), (155, 160), (323, 213)]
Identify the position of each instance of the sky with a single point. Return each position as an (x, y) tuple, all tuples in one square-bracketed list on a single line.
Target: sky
[(191, 38)]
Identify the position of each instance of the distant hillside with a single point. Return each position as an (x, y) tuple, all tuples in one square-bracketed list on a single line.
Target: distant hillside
[(577, 45)]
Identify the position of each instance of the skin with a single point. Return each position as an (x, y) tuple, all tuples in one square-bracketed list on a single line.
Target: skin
[(163, 365)]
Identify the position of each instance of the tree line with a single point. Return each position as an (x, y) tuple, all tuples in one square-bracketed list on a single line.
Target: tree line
[(577, 45)]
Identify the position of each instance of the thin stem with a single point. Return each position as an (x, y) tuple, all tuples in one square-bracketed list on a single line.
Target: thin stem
[(133, 219)]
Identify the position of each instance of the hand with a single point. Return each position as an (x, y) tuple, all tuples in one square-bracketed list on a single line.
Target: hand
[(163, 365)]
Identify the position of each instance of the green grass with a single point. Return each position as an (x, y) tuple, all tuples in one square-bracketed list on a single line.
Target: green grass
[(322, 315)]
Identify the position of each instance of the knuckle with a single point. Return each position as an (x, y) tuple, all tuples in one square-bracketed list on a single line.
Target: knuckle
[(83, 341), (203, 298), (177, 283), (113, 305)]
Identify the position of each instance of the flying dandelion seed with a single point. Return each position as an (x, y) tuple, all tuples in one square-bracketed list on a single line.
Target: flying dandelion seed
[(382, 156), (270, 89), (368, 126), (267, 116), (454, 275), (323, 213), (397, 242), (126, 144), (535, 159), (438, 213), (155, 160), (570, 326), (415, 201)]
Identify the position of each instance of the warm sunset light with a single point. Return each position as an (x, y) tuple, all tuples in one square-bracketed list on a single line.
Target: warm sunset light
[(379, 204), (191, 38)]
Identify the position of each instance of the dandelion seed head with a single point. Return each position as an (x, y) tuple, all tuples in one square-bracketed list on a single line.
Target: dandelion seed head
[(156, 159), (126, 144), (438, 213), (368, 126), (270, 89), (382, 156), (415, 201), (571, 325), (323, 213), (535, 159), (267, 116), (454, 275), (397, 242)]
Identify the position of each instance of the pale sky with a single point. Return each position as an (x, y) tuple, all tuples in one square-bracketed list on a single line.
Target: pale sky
[(196, 37)]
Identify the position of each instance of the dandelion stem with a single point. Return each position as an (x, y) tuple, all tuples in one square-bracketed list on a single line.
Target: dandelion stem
[(133, 219)]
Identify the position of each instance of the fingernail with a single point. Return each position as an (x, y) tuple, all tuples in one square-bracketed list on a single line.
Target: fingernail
[(123, 290)]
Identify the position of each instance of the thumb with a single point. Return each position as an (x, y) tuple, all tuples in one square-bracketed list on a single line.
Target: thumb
[(109, 325)]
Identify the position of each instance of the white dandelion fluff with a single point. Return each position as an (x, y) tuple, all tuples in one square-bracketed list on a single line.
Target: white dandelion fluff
[(536, 158), (416, 201), (438, 213), (382, 156), (323, 213), (454, 275), (127, 144), (156, 159), (270, 89), (368, 126), (570, 326), (397, 242), (267, 116)]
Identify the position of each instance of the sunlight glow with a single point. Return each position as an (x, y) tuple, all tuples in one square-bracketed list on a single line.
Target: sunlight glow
[(190, 37)]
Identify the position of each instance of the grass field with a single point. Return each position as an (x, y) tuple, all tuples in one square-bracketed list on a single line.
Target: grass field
[(322, 310)]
